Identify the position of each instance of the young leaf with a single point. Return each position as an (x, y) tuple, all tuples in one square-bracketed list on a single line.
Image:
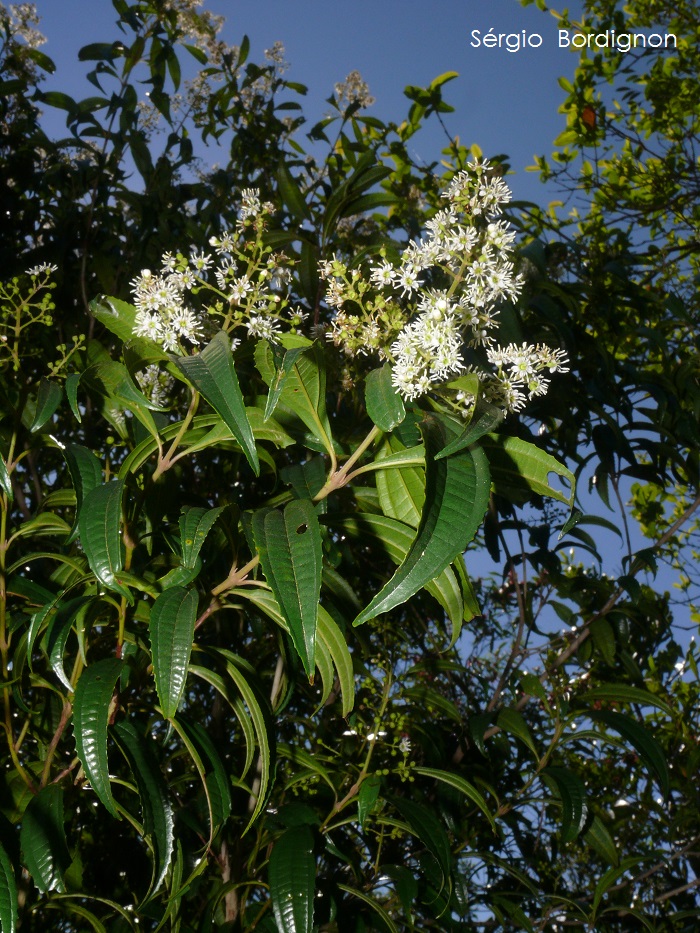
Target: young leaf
[(456, 496), (384, 404), (43, 840), (292, 875), (212, 373), (99, 533), (289, 545), (156, 808), (8, 894), (171, 628), (91, 710)]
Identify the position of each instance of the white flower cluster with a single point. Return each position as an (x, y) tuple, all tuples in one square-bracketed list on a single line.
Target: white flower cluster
[(467, 251), (161, 312), (247, 280)]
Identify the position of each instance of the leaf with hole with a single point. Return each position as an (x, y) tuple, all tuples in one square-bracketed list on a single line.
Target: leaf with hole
[(289, 545)]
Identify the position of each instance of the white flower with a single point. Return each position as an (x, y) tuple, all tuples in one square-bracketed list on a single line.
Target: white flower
[(43, 267)]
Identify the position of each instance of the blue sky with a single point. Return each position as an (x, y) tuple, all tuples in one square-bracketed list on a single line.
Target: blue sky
[(506, 102)]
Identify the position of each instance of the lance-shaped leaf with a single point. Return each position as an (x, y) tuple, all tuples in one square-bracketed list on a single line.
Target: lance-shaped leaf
[(428, 828), (5, 481), (489, 418), (99, 522), (171, 628), (8, 894), (284, 362), (462, 785), (519, 469), (384, 404), (153, 792), (212, 373), (456, 496), (367, 797), (195, 525), (47, 401), (303, 391), (43, 840), (72, 383), (289, 545), (86, 474), (215, 780), (91, 710), (643, 741), (292, 875), (570, 790)]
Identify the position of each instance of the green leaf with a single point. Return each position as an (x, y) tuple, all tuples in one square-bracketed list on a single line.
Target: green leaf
[(212, 373), (292, 876), (330, 635), (489, 418), (47, 401), (428, 828), (367, 797), (57, 633), (91, 711), (119, 317), (291, 193), (623, 693), (171, 628), (99, 524), (303, 391), (389, 924), (43, 840), (5, 481), (572, 793), (86, 474), (243, 677), (289, 545), (401, 489), (195, 524), (456, 496), (282, 370), (215, 782), (156, 808), (72, 383), (598, 838), (8, 894), (642, 740), (519, 469), (513, 722), (384, 404), (460, 784)]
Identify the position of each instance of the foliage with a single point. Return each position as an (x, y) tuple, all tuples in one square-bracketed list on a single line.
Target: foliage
[(249, 680)]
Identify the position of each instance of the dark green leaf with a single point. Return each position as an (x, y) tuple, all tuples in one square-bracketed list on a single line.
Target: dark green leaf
[(156, 808), (514, 723), (5, 481), (72, 383), (291, 193), (292, 875), (47, 401), (43, 840), (384, 404), (171, 628), (623, 693), (428, 828), (460, 784), (456, 497), (367, 797), (519, 469), (289, 545), (598, 838), (195, 525), (489, 418), (643, 741), (91, 712), (99, 524), (8, 894), (216, 783), (572, 793), (212, 373), (282, 369), (86, 474)]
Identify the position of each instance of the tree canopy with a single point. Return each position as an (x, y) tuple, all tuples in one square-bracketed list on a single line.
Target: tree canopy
[(308, 619)]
